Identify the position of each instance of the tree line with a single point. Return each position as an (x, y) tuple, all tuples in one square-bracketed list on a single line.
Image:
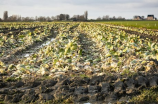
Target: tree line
[(60, 17), (107, 17)]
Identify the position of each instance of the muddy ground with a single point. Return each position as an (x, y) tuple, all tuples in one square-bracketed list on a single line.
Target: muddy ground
[(75, 87)]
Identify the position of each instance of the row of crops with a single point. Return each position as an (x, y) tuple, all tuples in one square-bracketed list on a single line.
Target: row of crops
[(139, 30), (78, 46), (136, 24), (123, 51), (15, 41), (46, 56)]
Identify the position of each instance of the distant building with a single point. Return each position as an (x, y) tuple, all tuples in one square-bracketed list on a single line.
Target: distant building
[(150, 17), (137, 18)]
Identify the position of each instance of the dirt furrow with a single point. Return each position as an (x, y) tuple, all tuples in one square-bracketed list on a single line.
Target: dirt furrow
[(104, 88)]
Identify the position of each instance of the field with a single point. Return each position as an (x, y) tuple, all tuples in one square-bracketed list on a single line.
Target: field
[(138, 24), (72, 62)]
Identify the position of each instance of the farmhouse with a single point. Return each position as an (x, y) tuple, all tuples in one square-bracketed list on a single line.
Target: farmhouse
[(137, 18), (150, 17)]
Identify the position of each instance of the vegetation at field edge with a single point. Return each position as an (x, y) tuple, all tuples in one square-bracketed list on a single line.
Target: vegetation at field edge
[(140, 24)]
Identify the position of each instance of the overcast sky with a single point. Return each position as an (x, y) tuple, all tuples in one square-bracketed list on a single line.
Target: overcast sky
[(95, 8)]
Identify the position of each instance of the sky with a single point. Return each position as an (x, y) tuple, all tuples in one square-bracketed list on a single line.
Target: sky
[(95, 8)]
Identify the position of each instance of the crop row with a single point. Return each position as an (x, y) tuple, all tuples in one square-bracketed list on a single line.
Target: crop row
[(139, 30), (88, 46), (56, 56), (124, 52), (13, 42)]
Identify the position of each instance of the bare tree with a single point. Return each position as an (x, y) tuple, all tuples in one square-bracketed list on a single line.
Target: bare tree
[(77, 17), (13, 18), (67, 17), (106, 17), (42, 18), (19, 18), (114, 17), (58, 17), (36, 18), (48, 19), (86, 15), (119, 18), (99, 18), (52, 18), (5, 15)]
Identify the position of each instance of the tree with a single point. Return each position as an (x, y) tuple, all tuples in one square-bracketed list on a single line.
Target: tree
[(58, 17), (143, 17), (19, 18), (62, 16), (77, 17), (99, 18), (106, 17), (119, 18), (48, 19), (67, 17), (86, 15), (114, 18), (13, 18), (42, 18), (52, 18), (5, 15), (36, 18)]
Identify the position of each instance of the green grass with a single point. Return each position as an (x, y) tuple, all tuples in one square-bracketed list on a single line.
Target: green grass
[(80, 75), (128, 73), (147, 95), (140, 24)]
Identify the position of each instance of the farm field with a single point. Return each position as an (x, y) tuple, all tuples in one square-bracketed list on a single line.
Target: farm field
[(77, 62), (138, 24)]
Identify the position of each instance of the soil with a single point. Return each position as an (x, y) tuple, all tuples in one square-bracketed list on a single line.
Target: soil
[(90, 88)]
